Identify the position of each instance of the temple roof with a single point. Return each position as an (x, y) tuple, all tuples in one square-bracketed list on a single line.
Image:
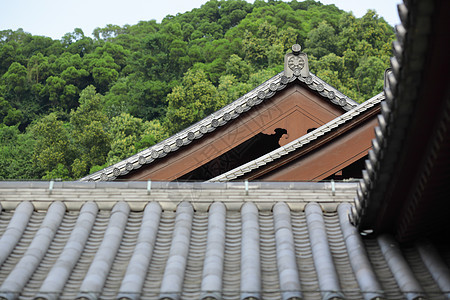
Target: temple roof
[(254, 240), (220, 118), (405, 188), (300, 142), (136, 240)]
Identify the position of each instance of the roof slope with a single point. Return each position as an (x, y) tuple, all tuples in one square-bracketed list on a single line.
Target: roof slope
[(220, 118), (300, 142), (405, 187), (170, 241)]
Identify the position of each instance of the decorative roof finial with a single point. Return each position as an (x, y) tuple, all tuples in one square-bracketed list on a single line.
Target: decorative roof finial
[(296, 49), (296, 63)]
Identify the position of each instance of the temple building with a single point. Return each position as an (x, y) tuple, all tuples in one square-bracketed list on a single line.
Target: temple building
[(226, 210), (293, 127)]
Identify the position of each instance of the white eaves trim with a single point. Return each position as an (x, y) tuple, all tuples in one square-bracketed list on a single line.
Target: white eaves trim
[(298, 143)]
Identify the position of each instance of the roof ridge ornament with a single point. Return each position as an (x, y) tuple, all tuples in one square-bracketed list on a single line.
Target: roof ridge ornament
[(296, 63)]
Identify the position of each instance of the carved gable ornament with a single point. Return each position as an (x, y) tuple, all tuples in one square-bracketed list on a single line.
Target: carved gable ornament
[(296, 63)]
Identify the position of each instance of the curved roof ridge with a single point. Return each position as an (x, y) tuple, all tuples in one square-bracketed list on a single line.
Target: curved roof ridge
[(219, 118), (298, 143)]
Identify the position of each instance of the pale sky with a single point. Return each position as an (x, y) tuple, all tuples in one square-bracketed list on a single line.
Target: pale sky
[(54, 18)]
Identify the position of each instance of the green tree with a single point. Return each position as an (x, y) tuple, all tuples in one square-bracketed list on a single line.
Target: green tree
[(75, 80), (230, 88), (267, 46), (321, 40), (370, 76), (124, 132), (144, 99), (15, 79), (238, 67), (107, 33), (191, 101), (38, 68), (89, 123), (53, 146), (16, 154), (9, 115), (104, 71), (8, 54), (54, 87), (153, 131)]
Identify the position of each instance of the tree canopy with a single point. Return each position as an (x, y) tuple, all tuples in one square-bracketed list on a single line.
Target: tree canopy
[(71, 106)]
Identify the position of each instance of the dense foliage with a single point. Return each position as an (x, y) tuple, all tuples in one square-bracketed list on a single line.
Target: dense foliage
[(71, 106)]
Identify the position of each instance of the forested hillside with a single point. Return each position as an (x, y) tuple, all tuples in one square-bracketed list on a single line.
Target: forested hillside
[(69, 107)]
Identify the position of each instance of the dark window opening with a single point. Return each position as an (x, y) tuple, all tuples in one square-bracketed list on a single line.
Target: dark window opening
[(245, 152), (351, 171)]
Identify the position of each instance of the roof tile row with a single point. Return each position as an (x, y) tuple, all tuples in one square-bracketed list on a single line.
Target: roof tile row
[(264, 252)]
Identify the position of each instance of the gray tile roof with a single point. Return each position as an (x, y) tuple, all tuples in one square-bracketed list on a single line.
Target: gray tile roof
[(219, 118), (395, 119), (411, 145), (300, 142), (133, 240)]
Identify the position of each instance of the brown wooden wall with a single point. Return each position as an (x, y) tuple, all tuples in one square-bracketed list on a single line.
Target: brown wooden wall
[(324, 160)]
